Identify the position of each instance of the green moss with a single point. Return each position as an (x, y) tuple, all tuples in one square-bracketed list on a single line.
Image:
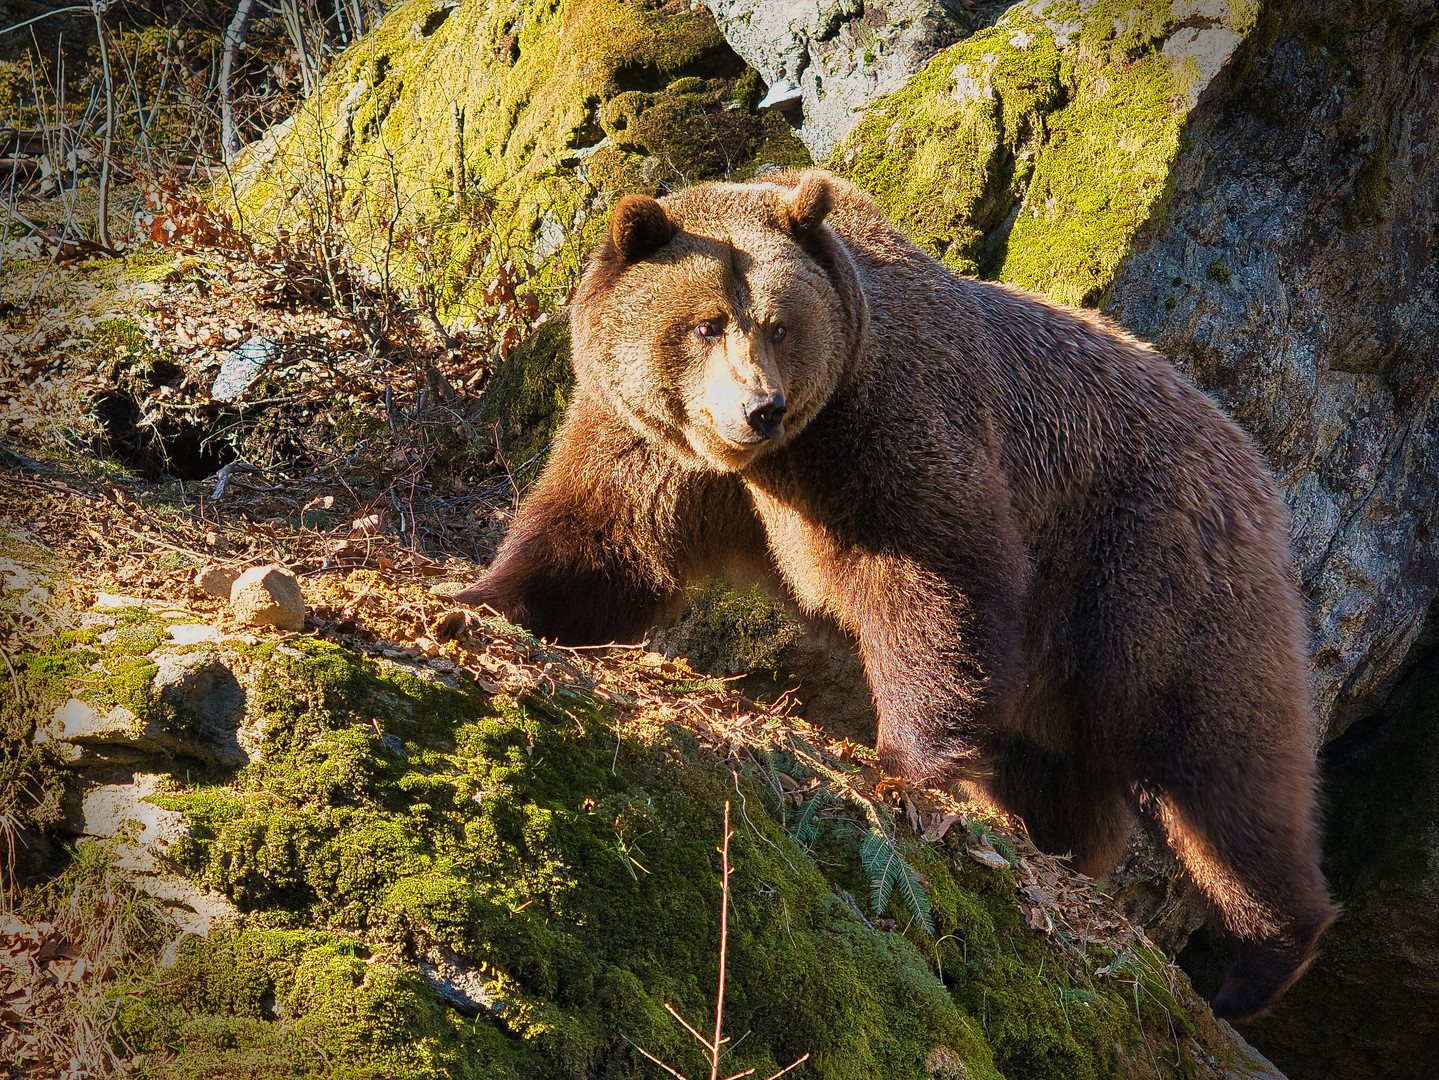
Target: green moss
[(1120, 30), (573, 866), (1104, 174), (727, 631), (45, 679), (1265, 28), (119, 340), (1219, 273), (1012, 158), (527, 394), (942, 154), (136, 640), (166, 267), (303, 1004), (1327, 43), (35, 682), (128, 681), (507, 838), (535, 85), (1371, 185)]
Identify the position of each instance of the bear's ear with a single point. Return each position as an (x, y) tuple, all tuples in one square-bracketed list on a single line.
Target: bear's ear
[(810, 204), (639, 227)]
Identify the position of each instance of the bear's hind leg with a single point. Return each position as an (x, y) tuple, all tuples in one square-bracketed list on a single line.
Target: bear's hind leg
[(1069, 808), (1244, 829)]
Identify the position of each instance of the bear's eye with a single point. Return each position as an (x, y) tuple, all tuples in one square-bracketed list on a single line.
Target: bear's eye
[(708, 331), (778, 333)]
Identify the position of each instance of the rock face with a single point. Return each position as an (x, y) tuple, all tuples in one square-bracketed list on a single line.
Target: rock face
[(1037, 150), (839, 55), (1295, 277), (216, 580), (186, 705)]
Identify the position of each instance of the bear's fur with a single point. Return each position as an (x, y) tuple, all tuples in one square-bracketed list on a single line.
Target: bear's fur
[(1066, 568)]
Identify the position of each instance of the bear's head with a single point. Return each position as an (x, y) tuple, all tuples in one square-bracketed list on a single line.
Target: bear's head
[(720, 319)]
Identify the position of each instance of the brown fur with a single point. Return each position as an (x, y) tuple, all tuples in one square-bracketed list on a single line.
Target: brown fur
[(1066, 568)]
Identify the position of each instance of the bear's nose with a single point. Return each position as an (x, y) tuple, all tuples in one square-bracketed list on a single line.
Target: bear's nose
[(765, 414)]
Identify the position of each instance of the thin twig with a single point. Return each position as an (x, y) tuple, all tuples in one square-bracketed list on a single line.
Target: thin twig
[(792, 1065), (719, 1039), (656, 1060), (13, 677), (687, 1026), (45, 15)]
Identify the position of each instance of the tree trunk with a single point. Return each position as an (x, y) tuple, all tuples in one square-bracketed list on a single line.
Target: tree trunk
[(234, 37), (102, 223)]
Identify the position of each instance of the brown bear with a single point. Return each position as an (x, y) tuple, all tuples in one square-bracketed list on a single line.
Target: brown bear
[(1067, 570)]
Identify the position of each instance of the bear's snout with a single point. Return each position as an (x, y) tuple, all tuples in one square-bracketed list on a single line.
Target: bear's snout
[(765, 415)]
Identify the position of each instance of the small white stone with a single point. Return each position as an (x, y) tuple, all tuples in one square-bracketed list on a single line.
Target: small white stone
[(193, 634)]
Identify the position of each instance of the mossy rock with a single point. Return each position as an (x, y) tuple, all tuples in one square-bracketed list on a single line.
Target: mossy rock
[(568, 861), (526, 396), (34, 593), (734, 631), (1032, 160), (503, 157)]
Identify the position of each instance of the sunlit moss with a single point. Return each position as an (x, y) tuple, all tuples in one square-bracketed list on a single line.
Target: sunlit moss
[(1011, 157), (572, 864), (530, 89)]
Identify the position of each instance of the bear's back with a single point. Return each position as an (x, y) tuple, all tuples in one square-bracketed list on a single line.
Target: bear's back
[(1073, 400)]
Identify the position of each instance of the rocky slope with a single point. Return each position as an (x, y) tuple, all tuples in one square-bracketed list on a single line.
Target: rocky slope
[(393, 859)]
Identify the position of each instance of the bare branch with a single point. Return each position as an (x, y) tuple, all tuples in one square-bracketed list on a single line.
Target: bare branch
[(687, 1026)]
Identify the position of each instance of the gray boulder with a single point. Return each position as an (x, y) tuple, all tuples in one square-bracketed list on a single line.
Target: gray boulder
[(836, 56), (193, 708), (1295, 278)]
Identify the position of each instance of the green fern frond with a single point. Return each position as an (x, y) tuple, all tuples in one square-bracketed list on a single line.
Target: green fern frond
[(805, 829), (913, 893), (886, 868), (878, 856)]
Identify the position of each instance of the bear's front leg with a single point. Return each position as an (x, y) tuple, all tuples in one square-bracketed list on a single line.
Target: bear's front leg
[(612, 532), (941, 656)]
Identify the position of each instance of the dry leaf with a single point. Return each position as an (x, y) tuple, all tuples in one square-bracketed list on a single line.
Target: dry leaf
[(369, 525), (939, 825)]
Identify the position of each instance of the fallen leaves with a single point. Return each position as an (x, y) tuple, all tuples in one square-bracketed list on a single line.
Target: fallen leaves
[(39, 970)]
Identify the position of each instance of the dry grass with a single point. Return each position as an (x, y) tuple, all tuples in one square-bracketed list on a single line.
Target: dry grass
[(77, 952)]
